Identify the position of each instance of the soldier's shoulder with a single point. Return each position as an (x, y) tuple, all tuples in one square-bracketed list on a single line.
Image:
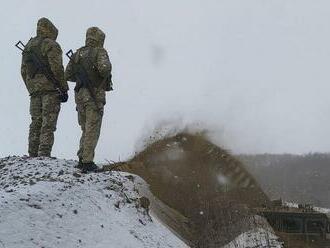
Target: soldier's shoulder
[(50, 44), (101, 50), (83, 48), (102, 53), (80, 51)]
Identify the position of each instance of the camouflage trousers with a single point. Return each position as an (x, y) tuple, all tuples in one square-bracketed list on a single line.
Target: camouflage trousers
[(90, 121), (44, 110)]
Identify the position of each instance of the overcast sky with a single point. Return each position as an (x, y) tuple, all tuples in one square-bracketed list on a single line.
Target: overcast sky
[(253, 72)]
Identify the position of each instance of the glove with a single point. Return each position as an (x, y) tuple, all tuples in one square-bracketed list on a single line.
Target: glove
[(64, 96)]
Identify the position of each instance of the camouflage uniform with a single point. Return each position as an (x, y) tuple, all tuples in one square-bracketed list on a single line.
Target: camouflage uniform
[(90, 111), (44, 98)]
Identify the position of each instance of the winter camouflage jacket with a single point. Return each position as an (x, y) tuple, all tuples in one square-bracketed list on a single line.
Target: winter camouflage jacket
[(52, 53), (95, 60)]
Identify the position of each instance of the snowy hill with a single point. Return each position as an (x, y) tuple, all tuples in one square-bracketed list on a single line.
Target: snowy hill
[(44, 203)]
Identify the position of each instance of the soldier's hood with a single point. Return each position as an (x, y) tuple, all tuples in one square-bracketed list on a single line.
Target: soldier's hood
[(46, 29), (95, 37)]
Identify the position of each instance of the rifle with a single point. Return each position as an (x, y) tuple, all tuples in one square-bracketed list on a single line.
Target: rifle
[(45, 71), (82, 77)]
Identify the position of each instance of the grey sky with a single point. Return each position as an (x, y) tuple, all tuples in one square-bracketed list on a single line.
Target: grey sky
[(254, 72)]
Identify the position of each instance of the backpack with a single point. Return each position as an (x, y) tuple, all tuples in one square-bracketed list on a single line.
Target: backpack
[(33, 49), (87, 58)]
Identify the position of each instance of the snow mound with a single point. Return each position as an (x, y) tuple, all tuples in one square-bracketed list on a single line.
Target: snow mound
[(44, 202)]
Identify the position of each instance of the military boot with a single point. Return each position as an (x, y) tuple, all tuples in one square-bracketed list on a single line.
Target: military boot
[(89, 167), (79, 165)]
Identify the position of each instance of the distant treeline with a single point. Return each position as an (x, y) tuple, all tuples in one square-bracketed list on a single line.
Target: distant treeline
[(297, 178)]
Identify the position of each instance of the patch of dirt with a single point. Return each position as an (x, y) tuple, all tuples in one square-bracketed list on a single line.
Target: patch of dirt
[(204, 183)]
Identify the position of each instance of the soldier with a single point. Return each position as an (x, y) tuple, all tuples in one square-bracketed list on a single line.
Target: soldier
[(46, 95), (93, 60)]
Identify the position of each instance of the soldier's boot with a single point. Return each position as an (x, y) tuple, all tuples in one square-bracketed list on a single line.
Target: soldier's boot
[(79, 165), (89, 167)]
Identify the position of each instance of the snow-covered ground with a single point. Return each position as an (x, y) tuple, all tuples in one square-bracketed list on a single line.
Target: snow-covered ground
[(44, 203)]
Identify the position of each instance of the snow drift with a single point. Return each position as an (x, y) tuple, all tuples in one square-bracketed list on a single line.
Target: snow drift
[(46, 203)]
